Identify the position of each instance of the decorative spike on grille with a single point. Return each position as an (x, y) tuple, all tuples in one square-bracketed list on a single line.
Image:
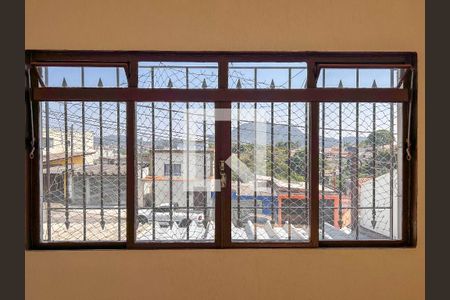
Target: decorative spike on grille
[(374, 84), (238, 84)]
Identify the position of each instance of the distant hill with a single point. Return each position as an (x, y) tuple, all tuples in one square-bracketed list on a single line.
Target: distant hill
[(110, 140), (247, 135)]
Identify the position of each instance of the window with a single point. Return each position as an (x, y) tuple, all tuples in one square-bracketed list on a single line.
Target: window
[(221, 150), (83, 183), (270, 143), (176, 170)]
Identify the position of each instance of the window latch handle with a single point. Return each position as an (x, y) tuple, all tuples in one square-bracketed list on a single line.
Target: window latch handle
[(223, 175)]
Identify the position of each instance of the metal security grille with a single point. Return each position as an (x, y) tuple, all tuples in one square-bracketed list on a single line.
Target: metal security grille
[(83, 171), (267, 75), (359, 171), (178, 75), (216, 150), (360, 151), (178, 205), (83, 162), (270, 171)]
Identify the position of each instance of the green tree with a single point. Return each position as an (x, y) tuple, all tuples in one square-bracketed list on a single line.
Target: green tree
[(381, 137), (298, 162), (383, 162)]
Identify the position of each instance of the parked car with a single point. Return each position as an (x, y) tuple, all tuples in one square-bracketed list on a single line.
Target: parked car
[(162, 215)]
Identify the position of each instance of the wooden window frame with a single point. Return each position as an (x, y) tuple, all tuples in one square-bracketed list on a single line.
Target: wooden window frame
[(223, 97)]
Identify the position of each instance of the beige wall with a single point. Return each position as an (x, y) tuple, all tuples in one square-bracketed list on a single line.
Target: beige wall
[(231, 25)]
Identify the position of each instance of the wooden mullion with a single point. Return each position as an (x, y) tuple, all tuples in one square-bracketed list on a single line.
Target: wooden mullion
[(223, 152), (131, 160), (314, 150), (328, 57), (309, 94)]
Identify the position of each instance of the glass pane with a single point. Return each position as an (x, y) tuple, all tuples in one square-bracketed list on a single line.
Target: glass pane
[(359, 78), (175, 172), (178, 75), (267, 75), (83, 171), (270, 194), (360, 171), (83, 76)]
